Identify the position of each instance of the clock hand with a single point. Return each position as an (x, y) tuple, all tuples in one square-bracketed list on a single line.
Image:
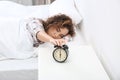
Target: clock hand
[(60, 53)]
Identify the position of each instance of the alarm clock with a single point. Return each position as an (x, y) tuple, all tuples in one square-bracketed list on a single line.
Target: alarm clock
[(60, 53)]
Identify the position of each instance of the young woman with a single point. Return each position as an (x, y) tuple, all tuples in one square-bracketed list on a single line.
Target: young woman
[(53, 30), (33, 32)]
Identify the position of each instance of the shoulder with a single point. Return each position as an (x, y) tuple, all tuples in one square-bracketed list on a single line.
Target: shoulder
[(34, 24), (35, 21)]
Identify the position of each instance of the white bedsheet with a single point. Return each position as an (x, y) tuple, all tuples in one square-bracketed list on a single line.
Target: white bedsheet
[(19, 69), (13, 65)]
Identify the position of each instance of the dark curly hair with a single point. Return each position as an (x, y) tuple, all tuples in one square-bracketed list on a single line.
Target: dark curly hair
[(62, 21)]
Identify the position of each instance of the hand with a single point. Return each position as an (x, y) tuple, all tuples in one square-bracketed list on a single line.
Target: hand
[(58, 42)]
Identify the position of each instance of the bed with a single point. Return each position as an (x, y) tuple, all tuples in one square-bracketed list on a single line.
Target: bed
[(27, 69), (19, 69), (10, 15)]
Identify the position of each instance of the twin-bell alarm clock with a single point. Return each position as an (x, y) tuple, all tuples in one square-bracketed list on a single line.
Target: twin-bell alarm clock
[(60, 53)]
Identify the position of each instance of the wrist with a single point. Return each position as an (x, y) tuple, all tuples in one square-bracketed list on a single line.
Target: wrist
[(50, 40)]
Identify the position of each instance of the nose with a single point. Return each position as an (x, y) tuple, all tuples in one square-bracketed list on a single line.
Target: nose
[(57, 35)]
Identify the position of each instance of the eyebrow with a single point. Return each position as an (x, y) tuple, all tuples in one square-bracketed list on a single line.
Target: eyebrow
[(58, 29)]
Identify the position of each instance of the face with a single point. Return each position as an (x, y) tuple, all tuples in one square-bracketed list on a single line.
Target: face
[(57, 33)]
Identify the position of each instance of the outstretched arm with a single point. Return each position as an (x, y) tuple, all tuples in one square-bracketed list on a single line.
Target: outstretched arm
[(44, 37)]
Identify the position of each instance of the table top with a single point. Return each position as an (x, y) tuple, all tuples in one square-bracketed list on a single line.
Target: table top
[(82, 64)]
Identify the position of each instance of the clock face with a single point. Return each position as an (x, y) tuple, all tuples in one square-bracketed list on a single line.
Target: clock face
[(60, 55)]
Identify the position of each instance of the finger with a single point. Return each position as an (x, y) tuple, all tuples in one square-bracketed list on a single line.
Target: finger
[(63, 42), (66, 41), (58, 42)]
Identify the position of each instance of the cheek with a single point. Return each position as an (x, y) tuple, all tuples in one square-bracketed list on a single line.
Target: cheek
[(51, 32)]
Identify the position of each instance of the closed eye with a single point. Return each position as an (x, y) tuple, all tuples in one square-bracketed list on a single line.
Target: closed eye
[(58, 30), (61, 35)]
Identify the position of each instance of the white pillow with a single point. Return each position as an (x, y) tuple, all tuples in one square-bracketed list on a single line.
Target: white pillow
[(12, 9), (65, 7), (40, 11), (15, 10)]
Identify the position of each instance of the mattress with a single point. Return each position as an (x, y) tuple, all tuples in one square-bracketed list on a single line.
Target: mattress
[(19, 69)]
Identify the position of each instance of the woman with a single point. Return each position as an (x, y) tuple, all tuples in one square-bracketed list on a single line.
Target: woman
[(33, 32), (53, 30)]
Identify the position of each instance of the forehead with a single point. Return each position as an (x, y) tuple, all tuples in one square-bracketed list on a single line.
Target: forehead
[(64, 31)]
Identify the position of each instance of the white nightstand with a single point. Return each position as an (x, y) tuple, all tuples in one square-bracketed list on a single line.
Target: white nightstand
[(82, 64)]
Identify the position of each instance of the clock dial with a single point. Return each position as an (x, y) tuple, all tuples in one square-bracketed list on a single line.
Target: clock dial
[(60, 55)]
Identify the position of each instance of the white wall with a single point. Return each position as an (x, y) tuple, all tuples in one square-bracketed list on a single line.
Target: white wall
[(101, 27)]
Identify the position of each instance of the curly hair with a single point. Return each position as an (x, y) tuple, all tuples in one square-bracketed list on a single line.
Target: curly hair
[(62, 21)]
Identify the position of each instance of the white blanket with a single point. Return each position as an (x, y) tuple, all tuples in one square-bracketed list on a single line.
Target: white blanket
[(14, 39)]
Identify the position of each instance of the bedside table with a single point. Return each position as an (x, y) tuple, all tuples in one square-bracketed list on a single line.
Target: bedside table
[(82, 64)]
